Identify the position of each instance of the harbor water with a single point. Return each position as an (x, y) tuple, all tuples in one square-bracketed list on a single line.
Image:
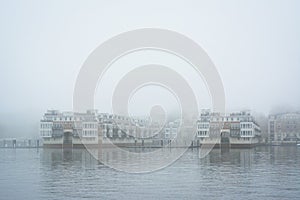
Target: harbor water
[(257, 173)]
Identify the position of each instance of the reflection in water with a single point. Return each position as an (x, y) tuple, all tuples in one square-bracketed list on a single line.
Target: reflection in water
[(238, 157), (69, 156), (259, 173)]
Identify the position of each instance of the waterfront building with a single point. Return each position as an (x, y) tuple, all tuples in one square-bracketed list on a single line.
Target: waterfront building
[(71, 129), (234, 130), (171, 130), (284, 128)]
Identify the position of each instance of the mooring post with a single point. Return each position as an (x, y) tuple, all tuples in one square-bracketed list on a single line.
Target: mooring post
[(14, 143)]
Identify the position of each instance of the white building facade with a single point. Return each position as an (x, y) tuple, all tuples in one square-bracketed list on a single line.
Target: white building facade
[(69, 129), (234, 129)]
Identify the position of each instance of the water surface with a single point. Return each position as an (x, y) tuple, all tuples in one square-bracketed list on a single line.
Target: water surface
[(259, 173)]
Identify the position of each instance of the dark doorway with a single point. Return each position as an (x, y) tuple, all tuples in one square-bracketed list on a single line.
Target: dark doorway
[(225, 141), (67, 141)]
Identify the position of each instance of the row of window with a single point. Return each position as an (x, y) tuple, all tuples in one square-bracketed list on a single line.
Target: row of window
[(235, 125), (225, 119), (230, 119), (88, 125), (46, 125), (203, 125), (202, 133), (66, 118), (214, 125), (248, 125), (85, 125), (45, 133), (232, 125), (89, 133), (246, 133), (147, 131)]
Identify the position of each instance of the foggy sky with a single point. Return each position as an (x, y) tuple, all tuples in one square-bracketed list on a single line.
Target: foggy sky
[(255, 45)]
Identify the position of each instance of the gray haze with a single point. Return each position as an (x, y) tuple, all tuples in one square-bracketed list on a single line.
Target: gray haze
[(255, 45)]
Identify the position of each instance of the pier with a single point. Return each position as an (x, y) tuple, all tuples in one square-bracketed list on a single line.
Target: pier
[(20, 143)]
